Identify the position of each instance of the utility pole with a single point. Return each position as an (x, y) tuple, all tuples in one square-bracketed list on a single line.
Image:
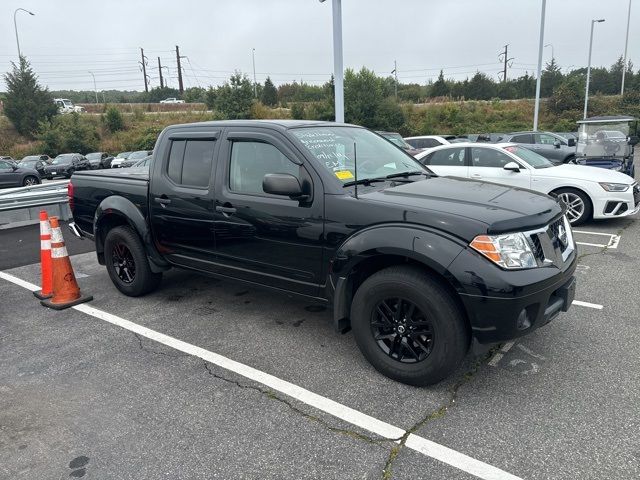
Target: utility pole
[(626, 42), (586, 90), (144, 69), (255, 84), (160, 72), (536, 108), (506, 61), (338, 70), (395, 73), (95, 88), (180, 84)]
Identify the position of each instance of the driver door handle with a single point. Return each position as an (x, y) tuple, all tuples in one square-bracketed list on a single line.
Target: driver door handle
[(227, 210), (162, 200)]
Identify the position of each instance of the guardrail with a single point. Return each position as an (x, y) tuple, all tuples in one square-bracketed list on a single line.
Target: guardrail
[(22, 205)]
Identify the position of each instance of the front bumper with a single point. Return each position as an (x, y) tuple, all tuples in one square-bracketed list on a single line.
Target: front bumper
[(503, 305), (614, 205)]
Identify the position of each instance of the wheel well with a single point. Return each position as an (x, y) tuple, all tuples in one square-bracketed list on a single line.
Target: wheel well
[(371, 265), (554, 193), (107, 223)]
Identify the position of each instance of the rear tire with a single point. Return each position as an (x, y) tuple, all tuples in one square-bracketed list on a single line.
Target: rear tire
[(127, 263), (570, 159), (30, 180), (427, 337), (579, 208)]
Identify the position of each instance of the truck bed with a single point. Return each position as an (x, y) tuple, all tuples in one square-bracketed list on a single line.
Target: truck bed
[(92, 186)]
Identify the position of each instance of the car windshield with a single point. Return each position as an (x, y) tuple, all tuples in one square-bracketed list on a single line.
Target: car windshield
[(137, 155), (94, 156), (62, 159), (374, 156), (532, 158), (123, 155), (28, 163)]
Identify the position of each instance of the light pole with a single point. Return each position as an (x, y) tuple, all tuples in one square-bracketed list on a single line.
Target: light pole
[(536, 108), (255, 84), (586, 90), (626, 42), (15, 26), (95, 88), (338, 74), (550, 45)]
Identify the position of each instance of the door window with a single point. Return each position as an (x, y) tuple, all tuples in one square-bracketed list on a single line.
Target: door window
[(4, 166), (452, 157), (523, 138), (190, 162), (488, 157), (251, 161), (545, 139)]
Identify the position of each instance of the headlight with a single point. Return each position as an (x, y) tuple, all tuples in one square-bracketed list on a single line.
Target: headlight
[(615, 187), (511, 251)]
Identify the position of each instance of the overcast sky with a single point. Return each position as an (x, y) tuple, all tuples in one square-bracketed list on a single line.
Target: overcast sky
[(293, 40)]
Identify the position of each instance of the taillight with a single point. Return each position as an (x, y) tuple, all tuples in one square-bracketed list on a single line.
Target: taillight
[(70, 194)]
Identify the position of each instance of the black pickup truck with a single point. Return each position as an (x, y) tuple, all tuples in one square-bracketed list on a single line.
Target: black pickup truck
[(417, 265)]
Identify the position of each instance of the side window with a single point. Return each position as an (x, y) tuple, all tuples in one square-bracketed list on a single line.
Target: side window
[(452, 157), (4, 165), (190, 162), (488, 157), (524, 138), (251, 161), (545, 139)]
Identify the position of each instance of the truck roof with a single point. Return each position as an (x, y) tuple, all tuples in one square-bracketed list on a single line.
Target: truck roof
[(283, 124)]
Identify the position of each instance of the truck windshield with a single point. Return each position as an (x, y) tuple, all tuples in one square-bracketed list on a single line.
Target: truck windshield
[(375, 157)]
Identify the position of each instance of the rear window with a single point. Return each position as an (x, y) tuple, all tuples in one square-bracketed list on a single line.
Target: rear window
[(453, 157), (190, 162)]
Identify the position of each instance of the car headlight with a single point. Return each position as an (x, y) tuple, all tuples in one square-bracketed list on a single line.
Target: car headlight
[(614, 187), (511, 251)]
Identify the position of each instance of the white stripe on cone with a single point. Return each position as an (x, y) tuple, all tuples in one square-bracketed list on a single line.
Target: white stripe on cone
[(45, 244), (59, 252), (45, 228), (56, 235)]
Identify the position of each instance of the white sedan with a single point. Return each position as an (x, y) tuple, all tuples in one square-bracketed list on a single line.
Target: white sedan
[(588, 192)]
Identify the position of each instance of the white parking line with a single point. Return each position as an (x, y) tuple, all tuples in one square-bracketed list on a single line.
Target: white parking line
[(354, 417), (613, 242), (588, 305)]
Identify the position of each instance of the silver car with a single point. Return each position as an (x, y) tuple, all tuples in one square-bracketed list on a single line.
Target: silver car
[(554, 147)]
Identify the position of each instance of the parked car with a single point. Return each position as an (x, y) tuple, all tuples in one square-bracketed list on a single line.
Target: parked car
[(66, 106), (135, 157), (568, 135), (606, 142), (121, 157), (35, 162), (10, 160), (171, 100), (587, 192), (12, 175), (554, 147), (429, 141), (99, 160), (65, 165), (398, 141), (414, 263)]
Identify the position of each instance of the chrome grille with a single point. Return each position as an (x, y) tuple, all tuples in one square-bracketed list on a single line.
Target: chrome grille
[(552, 244)]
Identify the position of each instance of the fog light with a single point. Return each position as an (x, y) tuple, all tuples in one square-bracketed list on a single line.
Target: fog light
[(523, 321)]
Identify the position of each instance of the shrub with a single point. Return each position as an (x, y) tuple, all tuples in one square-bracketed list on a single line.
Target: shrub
[(113, 119), (297, 111), (68, 134)]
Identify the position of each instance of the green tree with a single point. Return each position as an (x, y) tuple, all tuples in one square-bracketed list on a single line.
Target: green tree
[(113, 119), (568, 96), (234, 98), (26, 103), (269, 93), (194, 95), (481, 87), (440, 88), (551, 78), (210, 98), (68, 134)]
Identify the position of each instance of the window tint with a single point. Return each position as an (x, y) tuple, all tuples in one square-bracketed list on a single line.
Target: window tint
[(4, 165), (488, 157), (251, 161), (545, 139), (524, 138), (453, 157), (191, 162)]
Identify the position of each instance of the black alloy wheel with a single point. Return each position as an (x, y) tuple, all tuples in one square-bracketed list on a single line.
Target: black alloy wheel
[(402, 330), (123, 263)]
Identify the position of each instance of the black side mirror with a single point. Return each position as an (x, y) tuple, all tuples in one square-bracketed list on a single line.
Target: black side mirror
[(571, 142), (283, 184), (633, 140), (557, 144)]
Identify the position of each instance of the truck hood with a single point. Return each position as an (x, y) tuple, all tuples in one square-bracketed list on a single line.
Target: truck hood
[(468, 207), (583, 172)]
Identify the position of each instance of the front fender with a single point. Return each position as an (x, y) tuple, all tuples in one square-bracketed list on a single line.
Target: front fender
[(126, 212), (432, 248)]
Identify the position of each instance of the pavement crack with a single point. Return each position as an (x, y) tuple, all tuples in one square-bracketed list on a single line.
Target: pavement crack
[(440, 412), (155, 352), (602, 250), (273, 396)]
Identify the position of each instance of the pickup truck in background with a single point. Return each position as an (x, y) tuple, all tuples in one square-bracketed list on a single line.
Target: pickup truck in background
[(171, 100), (417, 265)]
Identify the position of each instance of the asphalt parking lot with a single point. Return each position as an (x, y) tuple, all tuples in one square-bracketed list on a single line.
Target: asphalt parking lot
[(125, 388)]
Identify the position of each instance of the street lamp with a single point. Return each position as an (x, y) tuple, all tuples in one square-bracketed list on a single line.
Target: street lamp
[(536, 108), (586, 90), (255, 84), (626, 42), (15, 26), (338, 75), (94, 85), (550, 45)]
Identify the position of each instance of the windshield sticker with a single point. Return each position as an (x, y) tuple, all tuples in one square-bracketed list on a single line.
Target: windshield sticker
[(344, 174)]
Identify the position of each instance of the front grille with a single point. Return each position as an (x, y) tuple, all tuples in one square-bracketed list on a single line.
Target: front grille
[(554, 231), (636, 194), (537, 248), (552, 244)]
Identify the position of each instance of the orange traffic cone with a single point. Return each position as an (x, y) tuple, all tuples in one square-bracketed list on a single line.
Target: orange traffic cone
[(66, 292), (46, 272)]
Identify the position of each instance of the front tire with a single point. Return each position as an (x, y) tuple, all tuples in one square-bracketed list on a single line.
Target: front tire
[(579, 208), (30, 180), (409, 326), (127, 263)]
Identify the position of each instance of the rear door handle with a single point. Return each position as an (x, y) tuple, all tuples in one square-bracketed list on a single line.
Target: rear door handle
[(162, 200), (227, 210)]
